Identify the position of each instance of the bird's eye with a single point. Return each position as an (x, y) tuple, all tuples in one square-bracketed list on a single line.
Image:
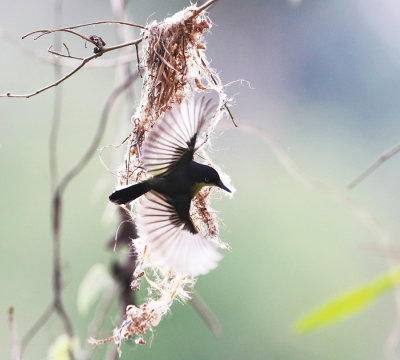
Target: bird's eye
[(206, 179)]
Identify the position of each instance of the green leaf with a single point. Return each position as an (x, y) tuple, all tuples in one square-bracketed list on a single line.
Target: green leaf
[(61, 348), (96, 282), (348, 303)]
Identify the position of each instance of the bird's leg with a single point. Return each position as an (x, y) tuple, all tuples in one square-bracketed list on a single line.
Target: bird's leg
[(137, 144)]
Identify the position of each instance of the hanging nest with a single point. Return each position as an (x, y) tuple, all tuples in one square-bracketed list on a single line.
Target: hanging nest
[(173, 57)]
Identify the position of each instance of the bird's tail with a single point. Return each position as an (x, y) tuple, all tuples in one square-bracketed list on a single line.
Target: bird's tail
[(129, 193)]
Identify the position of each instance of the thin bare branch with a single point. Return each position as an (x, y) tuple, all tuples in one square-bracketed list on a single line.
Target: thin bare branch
[(120, 46), (68, 56), (65, 77), (55, 125), (98, 320), (378, 162), (205, 313), (53, 164), (101, 311), (230, 115), (36, 326), (44, 32), (60, 311), (67, 61), (16, 350), (216, 83), (80, 66), (225, 105), (204, 7), (66, 48), (99, 133), (336, 194), (138, 60)]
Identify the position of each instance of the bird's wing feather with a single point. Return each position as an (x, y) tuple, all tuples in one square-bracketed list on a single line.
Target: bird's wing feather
[(170, 245), (173, 138)]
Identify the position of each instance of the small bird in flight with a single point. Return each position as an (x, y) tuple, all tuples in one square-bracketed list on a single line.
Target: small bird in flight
[(163, 213)]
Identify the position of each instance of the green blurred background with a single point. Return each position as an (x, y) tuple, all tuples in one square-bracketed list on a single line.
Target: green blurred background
[(324, 81)]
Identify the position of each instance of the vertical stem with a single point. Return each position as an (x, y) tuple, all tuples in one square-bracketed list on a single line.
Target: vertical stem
[(56, 205)]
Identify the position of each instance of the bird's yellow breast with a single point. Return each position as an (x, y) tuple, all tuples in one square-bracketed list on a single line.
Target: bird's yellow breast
[(198, 186)]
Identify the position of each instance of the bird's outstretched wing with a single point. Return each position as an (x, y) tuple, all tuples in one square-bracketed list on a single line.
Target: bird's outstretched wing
[(173, 138), (170, 243)]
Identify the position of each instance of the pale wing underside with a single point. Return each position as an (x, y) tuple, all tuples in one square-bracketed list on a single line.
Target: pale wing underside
[(169, 244), (174, 134)]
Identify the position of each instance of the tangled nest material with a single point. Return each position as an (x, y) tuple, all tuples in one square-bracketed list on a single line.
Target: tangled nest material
[(175, 68)]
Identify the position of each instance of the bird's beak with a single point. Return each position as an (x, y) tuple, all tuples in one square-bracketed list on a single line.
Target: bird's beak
[(222, 186)]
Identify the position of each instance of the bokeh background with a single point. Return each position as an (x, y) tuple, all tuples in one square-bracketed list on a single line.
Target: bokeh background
[(324, 80)]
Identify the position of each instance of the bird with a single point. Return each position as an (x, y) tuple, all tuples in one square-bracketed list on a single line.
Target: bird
[(163, 210)]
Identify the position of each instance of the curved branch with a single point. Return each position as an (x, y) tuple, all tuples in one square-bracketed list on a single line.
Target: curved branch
[(99, 133), (80, 26), (37, 326), (205, 313), (46, 32), (378, 162)]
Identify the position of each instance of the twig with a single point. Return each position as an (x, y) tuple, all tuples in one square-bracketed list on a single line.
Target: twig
[(138, 60), (98, 320), (206, 314), (226, 106), (36, 326), (378, 162), (46, 32), (102, 310), (55, 124), (216, 83), (57, 274), (14, 339), (82, 25), (68, 56), (230, 115), (99, 133), (204, 7), (81, 65), (57, 285), (121, 60), (66, 48)]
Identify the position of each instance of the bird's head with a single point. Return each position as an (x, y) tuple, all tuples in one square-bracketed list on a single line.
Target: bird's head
[(207, 176)]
